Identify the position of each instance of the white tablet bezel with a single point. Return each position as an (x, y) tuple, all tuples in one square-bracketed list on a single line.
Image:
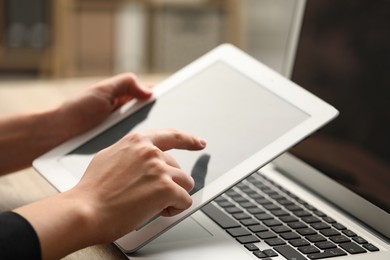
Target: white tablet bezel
[(320, 113)]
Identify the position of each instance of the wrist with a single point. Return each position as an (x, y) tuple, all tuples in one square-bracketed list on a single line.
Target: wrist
[(64, 122), (85, 215), (63, 217)]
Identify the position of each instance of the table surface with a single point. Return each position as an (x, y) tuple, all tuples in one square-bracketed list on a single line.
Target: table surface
[(27, 185)]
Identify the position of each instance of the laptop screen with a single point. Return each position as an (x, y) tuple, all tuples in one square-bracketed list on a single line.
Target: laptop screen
[(343, 56)]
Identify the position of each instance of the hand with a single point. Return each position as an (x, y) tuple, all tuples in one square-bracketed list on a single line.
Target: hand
[(24, 137), (94, 105), (124, 186), (134, 180)]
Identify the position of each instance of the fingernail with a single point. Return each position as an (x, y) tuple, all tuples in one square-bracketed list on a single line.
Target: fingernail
[(202, 141)]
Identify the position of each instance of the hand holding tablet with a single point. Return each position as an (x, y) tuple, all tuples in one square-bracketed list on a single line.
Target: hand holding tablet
[(248, 114)]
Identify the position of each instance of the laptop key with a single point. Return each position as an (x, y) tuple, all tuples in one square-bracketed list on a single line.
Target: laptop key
[(248, 239), (320, 226), (289, 235), (359, 240), (270, 253), (266, 235), (238, 232), (329, 232), (247, 205), (277, 196), (287, 219), (306, 231), (285, 202), (220, 199), (325, 245), (289, 252), (293, 207), (311, 219), (308, 249), (271, 207), (249, 190), (329, 220), (268, 191), (232, 193), (249, 222), (340, 239), (280, 229), (240, 216), (296, 225), (319, 213), (299, 242), (259, 254), (233, 210), (251, 247), (256, 210), (263, 201), (258, 228), (219, 217), (256, 196), (327, 253), (315, 238), (349, 233), (370, 247), (301, 201), (352, 248), (263, 216), (279, 213), (226, 204), (240, 199), (272, 222), (302, 213), (339, 226), (275, 241)]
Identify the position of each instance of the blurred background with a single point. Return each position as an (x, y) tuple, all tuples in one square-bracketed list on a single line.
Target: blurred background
[(75, 38), (343, 56)]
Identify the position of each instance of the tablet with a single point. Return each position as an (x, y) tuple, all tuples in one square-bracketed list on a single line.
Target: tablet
[(248, 113)]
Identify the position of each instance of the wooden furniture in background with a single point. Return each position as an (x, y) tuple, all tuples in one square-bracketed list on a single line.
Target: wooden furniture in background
[(83, 35)]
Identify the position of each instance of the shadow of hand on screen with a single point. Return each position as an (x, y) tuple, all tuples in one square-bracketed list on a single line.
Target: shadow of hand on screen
[(199, 172)]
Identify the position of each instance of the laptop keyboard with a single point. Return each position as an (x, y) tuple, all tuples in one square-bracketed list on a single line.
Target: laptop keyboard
[(270, 221)]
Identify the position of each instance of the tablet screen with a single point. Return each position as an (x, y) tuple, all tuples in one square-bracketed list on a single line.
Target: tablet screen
[(236, 115)]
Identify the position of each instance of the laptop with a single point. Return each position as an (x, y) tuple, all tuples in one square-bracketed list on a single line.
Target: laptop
[(328, 197)]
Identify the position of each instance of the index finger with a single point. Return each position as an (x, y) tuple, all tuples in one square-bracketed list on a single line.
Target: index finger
[(167, 139)]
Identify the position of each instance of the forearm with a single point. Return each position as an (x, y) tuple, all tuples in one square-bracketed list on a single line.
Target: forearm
[(24, 137)]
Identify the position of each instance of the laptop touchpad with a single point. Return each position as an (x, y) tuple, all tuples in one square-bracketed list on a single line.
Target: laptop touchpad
[(190, 238), (187, 230)]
